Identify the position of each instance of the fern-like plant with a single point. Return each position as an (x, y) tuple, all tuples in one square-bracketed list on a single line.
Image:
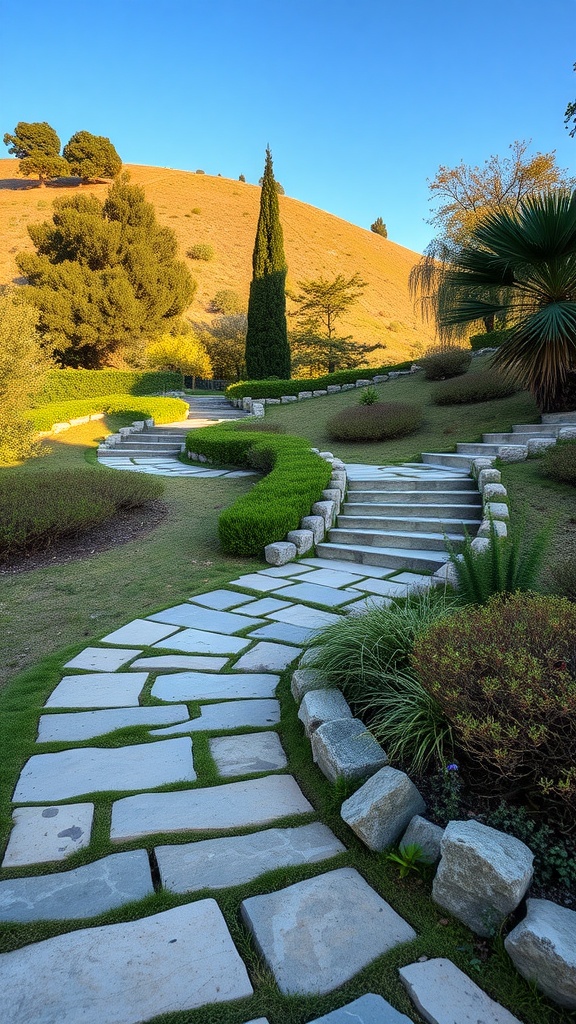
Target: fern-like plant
[(507, 565)]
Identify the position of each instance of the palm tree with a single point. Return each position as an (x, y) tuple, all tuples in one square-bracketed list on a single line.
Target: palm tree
[(519, 266)]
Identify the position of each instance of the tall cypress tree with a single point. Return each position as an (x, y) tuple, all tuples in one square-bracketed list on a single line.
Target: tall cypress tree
[(267, 348)]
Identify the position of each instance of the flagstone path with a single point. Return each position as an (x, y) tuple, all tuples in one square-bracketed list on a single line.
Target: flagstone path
[(222, 651)]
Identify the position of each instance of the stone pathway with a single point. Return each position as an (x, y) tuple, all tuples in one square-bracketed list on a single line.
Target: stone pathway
[(199, 667)]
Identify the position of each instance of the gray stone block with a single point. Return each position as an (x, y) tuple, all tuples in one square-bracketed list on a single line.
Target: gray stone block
[(494, 492), (513, 453), (83, 892), (369, 1009), (247, 404), (543, 950), (364, 383), (567, 433), (332, 389), (303, 395), (480, 544), (488, 476), (333, 494), (316, 524), (279, 553), (318, 394), (538, 445), (345, 749), (304, 680), (497, 526), (380, 378), (286, 399), (483, 875), (380, 810), (320, 706), (497, 509), (257, 409), (272, 401), (303, 540), (479, 464), (317, 934), (326, 455), (443, 994), (348, 387), (326, 509), (426, 835)]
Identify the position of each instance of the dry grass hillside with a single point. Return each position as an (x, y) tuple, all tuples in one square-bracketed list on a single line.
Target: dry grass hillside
[(224, 213)]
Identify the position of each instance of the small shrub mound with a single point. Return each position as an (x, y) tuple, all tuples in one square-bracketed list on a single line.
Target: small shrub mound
[(377, 422), (201, 251), (504, 676), (440, 363), (483, 386), (559, 462), (368, 396), (564, 575), (36, 509)]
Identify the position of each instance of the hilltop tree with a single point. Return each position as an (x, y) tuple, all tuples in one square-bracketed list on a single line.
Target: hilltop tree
[(379, 227), (183, 353), (105, 276), (570, 116), (320, 306), (37, 146), (267, 349), (92, 156)]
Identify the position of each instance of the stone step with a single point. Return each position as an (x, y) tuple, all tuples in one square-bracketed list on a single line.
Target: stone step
[(393, 558), (567, 419), (548, 429), (120, 451), (393, 539), (479, 448), (447, 459), (425, 525), (518, 437), (469, 496), (414, 485), (158, 447), (430, 511)]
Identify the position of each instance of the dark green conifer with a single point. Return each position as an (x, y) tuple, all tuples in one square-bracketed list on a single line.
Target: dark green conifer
[(267, 348)]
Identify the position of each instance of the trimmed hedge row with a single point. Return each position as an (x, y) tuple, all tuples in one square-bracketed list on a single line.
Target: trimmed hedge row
[(37, 509), (490, 339), (276, 388), (162, 410), (295, 479), (65, 385)]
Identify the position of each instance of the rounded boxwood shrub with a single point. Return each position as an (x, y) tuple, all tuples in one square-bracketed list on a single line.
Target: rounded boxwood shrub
[(483, 386), (504, 674), (377, 422), (440, 363), (559, 462), (201, 251)]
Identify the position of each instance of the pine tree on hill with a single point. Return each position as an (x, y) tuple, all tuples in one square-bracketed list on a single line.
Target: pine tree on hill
[(267, 348)]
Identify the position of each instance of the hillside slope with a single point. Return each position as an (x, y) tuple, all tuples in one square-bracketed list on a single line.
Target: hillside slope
[(224, 213)]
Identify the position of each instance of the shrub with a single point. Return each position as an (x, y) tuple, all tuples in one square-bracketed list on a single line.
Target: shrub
[(227, 302), (377, 422), (276, 388), (564, 575), (368, 396), (260, 426), (196, 210), (559, 462), (162, 410), (508, 565), (296, 478), (439, 363), (201, 251), (504, 675), (482, 386), (37, 509), (490, 339), (63, 385)]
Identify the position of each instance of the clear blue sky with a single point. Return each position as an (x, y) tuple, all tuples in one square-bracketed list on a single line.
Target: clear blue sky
[(360, 100)]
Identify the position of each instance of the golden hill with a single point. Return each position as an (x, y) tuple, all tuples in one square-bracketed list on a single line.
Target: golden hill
[(223, 213)]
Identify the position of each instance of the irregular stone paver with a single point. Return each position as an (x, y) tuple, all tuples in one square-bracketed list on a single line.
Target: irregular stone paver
[(255, 581), (316, 594), (415, 579), (318, 934), (42, 834), (322, 705), (204, 643), (202, 686), (293, 569), (243, 755), (366, 605), (236, 714), (85, 725), (99, 659), (333, 577), (196, 662), (99, 690), (310, 618), (445, 995), (386, 588), (284, 632), (235, 860), (345, 749), (380, 810), (375, 571), (369, 1009), (221, 600), (204, 618), (265, 657), (263, 606), (140, 633), (71, 773), (232, 805), (543, 949), (126, 973), (83, 892)]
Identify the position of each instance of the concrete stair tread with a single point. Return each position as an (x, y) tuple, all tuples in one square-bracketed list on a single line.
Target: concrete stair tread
[(347, 521), (458, 484), (372, 509), (389, 556)]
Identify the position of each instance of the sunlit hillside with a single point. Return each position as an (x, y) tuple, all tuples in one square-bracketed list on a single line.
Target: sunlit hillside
[(223, 213)]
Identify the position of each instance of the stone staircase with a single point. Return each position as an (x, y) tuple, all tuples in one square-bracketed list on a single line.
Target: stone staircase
[(524, 439), (401, 517)]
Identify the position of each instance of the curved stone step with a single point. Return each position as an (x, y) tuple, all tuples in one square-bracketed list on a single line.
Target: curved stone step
[(420, 525), (470, 496), (393, 539), (393, 558), (400, 510), (369, 483), (447, 459)]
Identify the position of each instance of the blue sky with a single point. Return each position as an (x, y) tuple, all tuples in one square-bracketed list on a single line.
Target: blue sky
[(361, 100)]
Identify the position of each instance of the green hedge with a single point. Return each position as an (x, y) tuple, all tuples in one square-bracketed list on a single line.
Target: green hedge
[(162, 410), (490, 339), (65, 385), (295, 480), (276, 388)]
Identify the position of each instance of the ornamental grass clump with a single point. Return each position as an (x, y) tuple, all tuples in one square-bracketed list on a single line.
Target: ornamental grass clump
[(378, 422), (559, 462), (483, 386), (441, 363), (504, 676)]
